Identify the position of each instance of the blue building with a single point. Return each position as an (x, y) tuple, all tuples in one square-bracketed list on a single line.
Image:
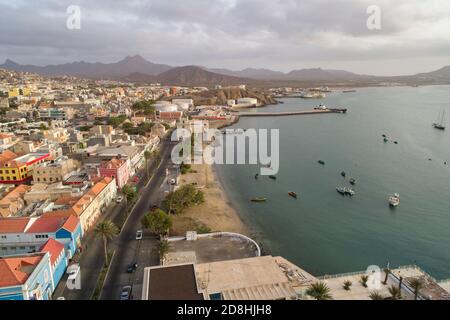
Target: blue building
[(33, 276), (28, 235)]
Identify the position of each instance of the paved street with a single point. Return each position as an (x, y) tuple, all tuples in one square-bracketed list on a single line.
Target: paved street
[(125, 245), (128, 249)]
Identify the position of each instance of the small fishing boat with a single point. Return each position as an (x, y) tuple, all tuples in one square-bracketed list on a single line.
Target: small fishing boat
[(259, 199), (395, 142), (440, 124), (394, 200), (273, 177), (352, 181), (256, 176), (385, 140), (384, 136), (350, 192), (293, 194), (343, 174), (321, 162), (341, 190)]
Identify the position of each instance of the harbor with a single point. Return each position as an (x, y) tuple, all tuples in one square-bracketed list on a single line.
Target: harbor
[(292, 113), (400, 206)]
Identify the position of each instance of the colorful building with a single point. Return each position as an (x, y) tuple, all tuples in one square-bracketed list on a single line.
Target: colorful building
[(32, 276), (18, 170), (27, 235), (118, 169)]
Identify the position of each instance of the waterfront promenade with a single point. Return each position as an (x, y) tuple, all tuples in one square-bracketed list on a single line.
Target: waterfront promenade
[(290, 113)]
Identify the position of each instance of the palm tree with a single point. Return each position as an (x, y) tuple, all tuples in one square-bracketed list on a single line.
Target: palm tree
[(162, 249), (347, 285), (107, 230), (130, 193), (364, 280), (387, 272), (147, 155), (395, 292), (375, 295), (417, 284), (319, 291)]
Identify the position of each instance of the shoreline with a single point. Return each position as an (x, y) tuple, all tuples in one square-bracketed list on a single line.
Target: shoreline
[(216, 213)]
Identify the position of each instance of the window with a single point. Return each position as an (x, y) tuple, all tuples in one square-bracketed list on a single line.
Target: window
[(3, 237), (13, 171), (1, 171), (22, 248)]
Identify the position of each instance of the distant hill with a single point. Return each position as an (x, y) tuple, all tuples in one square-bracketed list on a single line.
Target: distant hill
[(137, 69), (97, 70)]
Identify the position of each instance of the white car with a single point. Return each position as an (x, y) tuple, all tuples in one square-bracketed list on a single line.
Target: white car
[(139, 235), (173, 182), (119, 199)]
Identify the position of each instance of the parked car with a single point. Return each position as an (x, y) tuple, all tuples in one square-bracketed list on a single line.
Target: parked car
[(119, 199), (154, 208), (136, 179), (139, 235), (173, 182), (125, 294)]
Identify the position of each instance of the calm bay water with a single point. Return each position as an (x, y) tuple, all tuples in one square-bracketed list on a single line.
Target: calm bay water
[(326, 233)]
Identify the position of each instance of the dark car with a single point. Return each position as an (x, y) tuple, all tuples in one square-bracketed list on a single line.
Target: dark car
[(132, 267), (125, 294), (154, 208)]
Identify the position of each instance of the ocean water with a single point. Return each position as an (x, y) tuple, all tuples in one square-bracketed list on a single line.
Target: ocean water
[(326, 233)]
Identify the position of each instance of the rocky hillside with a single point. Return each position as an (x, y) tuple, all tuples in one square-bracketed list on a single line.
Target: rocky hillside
[(220, 97)]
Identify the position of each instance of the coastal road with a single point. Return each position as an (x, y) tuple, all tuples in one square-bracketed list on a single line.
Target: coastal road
[(127, 249)]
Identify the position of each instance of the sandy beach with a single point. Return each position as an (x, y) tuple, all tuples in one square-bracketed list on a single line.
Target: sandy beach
[(216, 213)]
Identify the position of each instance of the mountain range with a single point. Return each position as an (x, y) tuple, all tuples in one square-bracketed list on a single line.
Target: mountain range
[(137, 69)]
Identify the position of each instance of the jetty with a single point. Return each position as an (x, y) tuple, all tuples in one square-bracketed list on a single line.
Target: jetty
[(290, 113)]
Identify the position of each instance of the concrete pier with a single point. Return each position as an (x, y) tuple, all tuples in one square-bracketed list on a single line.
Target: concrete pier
[(290, 113)]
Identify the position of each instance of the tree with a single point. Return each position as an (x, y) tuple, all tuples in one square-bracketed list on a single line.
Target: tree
[(319, 291), (417, 284), (117, 121), (162, 249), (347, 285), (395, 292), (375, 295), (157, 222), (147, 155), (130, 193), (144, 107), (176, 202), (107, 230), (364, 280), (387, 272)]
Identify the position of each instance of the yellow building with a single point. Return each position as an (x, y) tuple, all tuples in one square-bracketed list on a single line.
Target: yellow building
[(16, 92), (18, 170)]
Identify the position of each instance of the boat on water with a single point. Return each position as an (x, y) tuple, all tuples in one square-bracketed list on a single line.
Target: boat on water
[(259, 199), (321, 107), (321, 162), (348, 91), (352, 181), (394, 200), (293, 194), (343, 174), (440, 124), (346, 191), (273, 177), (256, 176)]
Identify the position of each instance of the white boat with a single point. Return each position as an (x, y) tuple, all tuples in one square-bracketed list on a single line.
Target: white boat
[(394, 201)]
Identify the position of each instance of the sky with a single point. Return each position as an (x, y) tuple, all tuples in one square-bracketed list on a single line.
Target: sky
[(282, 35)]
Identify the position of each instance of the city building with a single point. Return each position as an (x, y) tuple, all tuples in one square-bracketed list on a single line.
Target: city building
[(27, 235), (55, 170), (13, 202), (18, 170), (118, 169)]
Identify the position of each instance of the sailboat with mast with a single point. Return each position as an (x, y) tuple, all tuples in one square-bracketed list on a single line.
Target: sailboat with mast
[(440, 124)]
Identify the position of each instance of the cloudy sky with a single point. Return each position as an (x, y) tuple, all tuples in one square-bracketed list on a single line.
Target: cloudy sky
[(277, 34)]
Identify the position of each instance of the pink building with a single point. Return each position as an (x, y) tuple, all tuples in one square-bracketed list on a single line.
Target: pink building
[(118, 169)]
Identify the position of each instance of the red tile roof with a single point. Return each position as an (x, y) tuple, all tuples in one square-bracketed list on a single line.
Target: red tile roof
[(46, 224), (14, 271), (54, 248), (71, 223), (13, 225)]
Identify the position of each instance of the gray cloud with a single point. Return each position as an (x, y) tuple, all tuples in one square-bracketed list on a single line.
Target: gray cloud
[(279, 34)]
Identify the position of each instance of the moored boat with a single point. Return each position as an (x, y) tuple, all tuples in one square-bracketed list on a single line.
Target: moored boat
[(259, 199), (352, 181), (343, 174), (293, 194), (321, 162), (394, 200), (273, 177)]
